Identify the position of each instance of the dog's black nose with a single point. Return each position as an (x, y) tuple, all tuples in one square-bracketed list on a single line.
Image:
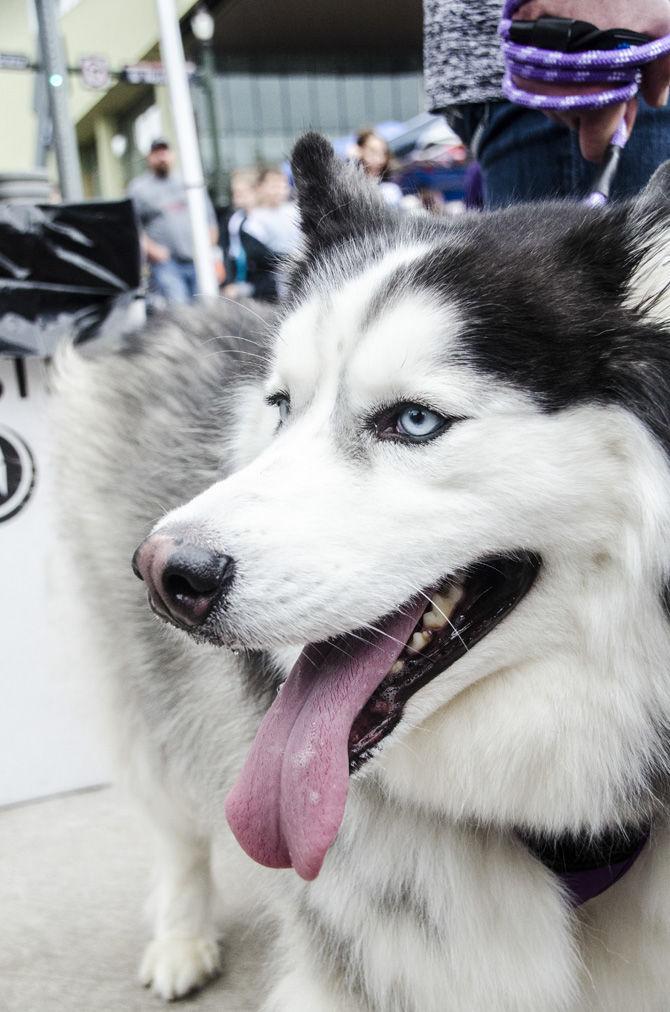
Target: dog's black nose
[(183, 580)]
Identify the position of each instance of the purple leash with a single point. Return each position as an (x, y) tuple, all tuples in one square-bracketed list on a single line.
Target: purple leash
[(616, 71)]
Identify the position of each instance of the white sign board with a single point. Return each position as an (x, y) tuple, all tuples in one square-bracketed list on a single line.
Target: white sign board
[(50, 723)]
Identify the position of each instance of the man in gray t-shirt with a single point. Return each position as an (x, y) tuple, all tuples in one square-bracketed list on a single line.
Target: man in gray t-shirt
[(159, 198)]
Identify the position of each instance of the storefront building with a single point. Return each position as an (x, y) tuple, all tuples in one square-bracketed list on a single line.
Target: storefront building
[(280, 66)]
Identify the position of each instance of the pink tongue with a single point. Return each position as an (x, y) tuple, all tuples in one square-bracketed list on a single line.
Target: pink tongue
[(288, 802)]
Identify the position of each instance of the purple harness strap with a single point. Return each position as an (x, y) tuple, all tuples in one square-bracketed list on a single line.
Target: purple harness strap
[(588, 868), (585, 885)]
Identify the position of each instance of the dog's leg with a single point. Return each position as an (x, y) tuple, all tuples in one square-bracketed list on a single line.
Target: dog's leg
[(184, 953), (299, 991)]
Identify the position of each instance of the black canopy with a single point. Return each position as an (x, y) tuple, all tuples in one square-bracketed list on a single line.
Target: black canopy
[(66, 270)]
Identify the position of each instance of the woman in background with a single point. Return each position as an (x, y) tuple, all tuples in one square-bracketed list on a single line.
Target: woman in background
[(373, 153)]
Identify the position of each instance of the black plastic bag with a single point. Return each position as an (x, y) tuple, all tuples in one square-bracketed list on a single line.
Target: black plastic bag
[(66, 271)]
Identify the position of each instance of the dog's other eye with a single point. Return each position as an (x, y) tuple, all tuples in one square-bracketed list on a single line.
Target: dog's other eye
[(284, 406), (283, 402), (412, 422)]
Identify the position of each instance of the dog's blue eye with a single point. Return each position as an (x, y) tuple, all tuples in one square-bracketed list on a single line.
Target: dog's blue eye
[(417, 422)]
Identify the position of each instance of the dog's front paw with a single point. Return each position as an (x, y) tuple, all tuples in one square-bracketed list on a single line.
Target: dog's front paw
[(173, 967)]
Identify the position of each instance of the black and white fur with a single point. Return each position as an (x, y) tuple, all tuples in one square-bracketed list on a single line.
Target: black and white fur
[(545, 329)]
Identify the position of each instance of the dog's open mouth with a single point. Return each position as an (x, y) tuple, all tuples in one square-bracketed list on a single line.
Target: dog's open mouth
[(343, 697), (457, 616)]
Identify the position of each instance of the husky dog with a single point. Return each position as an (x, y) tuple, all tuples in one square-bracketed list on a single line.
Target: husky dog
[(418, 530)]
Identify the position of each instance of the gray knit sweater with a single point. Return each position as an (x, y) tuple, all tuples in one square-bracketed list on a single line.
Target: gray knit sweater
[(462, 60)]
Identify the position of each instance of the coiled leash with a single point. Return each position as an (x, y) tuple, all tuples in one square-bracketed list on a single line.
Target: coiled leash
[(557, 50)]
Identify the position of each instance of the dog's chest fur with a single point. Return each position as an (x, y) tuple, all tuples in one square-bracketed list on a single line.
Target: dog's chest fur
[(375, 932), (376, 920)]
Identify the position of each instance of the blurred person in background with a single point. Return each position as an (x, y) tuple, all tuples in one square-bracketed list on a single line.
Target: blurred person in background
[(159, 198), (243, 184), (524, 154), (268, 232), (374, 155), (274, 220)]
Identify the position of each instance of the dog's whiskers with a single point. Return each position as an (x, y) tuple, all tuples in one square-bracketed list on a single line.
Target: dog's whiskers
[(234, 351), (245, 307), (237, 337), (371, 627), (422, 593)]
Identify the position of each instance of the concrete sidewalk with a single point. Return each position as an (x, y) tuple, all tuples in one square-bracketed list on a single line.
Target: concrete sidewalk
[(74, 874)]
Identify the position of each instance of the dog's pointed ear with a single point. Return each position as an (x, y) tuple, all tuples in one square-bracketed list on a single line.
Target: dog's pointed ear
[(649, 217), (335, 200), (657, 191)]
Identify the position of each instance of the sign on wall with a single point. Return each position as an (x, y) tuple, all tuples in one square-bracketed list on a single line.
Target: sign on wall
[(14, 61), (150, 73), (17, 473), (96, 72)]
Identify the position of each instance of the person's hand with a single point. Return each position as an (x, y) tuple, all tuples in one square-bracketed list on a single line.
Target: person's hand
[(596, 126), (156, 253)]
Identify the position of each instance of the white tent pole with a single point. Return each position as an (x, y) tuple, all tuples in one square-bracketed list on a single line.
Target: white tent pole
[(172, 56)]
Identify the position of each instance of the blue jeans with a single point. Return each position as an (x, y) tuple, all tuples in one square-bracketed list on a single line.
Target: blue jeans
[(174, 280), (525, 156)]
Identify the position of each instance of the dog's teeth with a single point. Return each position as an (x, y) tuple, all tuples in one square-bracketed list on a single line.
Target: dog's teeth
[(398, 668), (434, 620), (419, 641), (446, 603), (440, 603)]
